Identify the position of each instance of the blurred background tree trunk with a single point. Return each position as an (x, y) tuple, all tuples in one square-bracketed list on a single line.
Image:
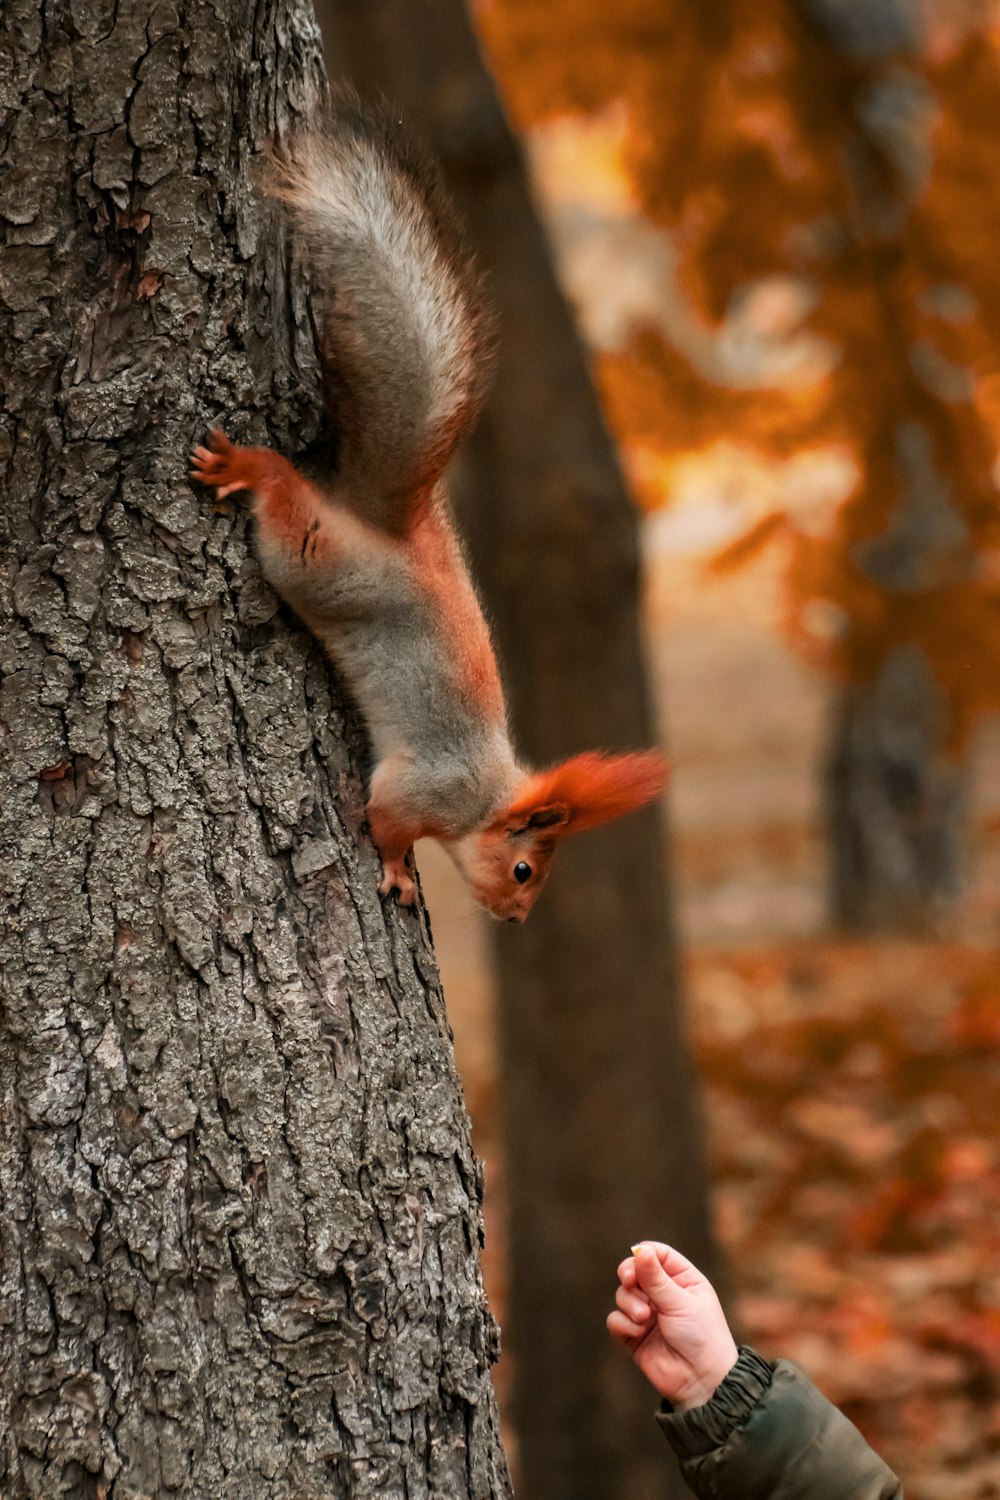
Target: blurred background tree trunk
[(241, 1216), (896, 792), (602, 1130), (896, 802)]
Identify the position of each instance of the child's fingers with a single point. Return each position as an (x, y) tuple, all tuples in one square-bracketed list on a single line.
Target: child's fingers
[(676, 1265), (634, 1305), (624, 1330), (660, 1262), (665, 1293), (670, 1259), (626, 1271)]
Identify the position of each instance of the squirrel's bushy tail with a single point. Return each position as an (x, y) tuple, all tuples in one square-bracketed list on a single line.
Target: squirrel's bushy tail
[(404, 331)]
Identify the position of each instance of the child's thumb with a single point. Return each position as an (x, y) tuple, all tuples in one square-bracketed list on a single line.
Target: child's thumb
[(661, 1289)]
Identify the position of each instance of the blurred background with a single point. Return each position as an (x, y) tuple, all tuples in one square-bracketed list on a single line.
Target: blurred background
[(767, 236)]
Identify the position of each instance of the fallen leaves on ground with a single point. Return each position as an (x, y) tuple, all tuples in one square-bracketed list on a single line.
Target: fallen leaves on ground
[(852, 1093)]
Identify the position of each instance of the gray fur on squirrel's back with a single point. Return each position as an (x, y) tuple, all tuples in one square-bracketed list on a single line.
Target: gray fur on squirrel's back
[(404, 335)]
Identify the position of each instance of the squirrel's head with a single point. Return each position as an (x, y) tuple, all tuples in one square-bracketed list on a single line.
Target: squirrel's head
[(507, 862)]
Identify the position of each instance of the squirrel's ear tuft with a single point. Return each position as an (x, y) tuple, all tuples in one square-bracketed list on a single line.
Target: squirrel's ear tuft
[(581, 793), (553, 816)]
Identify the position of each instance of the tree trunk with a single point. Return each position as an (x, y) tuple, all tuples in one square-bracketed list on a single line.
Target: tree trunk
[(895, 803), (895, 792), (239, 1239), (602, 1130)]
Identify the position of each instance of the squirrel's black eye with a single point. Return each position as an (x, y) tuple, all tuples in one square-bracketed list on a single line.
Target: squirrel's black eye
[(522, 872)]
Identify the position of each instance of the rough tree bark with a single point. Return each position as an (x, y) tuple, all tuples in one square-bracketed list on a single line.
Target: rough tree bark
[(602, 1131), (240, 1212)]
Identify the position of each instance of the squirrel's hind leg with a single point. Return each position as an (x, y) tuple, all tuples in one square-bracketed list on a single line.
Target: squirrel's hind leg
[(298, 543), (288, 510), (227, 467)]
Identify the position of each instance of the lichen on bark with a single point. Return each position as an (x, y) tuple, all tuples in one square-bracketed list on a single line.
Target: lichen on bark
[(241, 1215)]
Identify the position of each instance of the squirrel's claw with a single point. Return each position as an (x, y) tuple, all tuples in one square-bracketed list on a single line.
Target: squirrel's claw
[(397, 879), (218, 465)]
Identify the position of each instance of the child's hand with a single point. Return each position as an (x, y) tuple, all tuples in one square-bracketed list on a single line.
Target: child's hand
[(670, 1321)]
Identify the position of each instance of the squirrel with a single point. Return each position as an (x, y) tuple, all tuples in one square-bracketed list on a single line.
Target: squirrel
[(369, 558)]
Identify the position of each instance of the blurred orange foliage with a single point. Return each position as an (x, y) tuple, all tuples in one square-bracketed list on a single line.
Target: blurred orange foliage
[(863, 182)]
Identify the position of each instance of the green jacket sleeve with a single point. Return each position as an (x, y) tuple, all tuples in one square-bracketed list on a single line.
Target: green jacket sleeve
[(768, 1434)]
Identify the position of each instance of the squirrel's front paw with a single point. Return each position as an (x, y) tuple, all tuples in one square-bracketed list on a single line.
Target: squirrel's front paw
[(396, 878), (222, 464)]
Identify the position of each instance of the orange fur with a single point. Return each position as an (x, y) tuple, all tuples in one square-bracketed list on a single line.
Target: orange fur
[(588, 790), (439, 566), (288, 503)]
